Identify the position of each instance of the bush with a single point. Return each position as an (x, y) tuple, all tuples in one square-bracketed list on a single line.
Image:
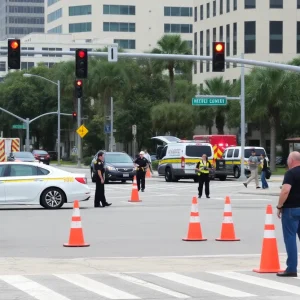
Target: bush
[(155, 165), (87, 160)]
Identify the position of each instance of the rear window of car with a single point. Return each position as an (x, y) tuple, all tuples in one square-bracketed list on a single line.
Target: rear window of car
[(198, 151), (2, 170), (258, 152), (117, 158), (40, 152), (23, 154)]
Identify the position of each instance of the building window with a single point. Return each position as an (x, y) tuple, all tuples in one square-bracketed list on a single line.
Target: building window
[(52, 49), (298, 3), (26, 9), (80, 27), (207, 10), (178, 28), (207, 49), (234, 39), (57, 29), (227, 44), (27, 48), (80, 10), (54, 15), (228, 6), (178, 11), (234, 4), (250, 37), (51, 2), (221, 7), (125, 44), (214, 34), (276, 38), (24, 30), (195, 13), (201, 50), (214, 8), (298, 37), (221, 33), (118, 10), (250, 4), (201, 12), (26, 20), (2, 66), (119, 27), (195, 50), (276, 3), (27, 65)]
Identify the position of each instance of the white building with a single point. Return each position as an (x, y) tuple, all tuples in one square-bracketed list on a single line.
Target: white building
[(136, 25), (54, 42)]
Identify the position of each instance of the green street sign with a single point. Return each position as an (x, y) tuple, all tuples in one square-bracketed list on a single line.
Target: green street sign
[(210, 101), (17, 126)]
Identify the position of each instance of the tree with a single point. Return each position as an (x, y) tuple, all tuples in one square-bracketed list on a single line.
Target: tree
[(272, 94), (172, 44)]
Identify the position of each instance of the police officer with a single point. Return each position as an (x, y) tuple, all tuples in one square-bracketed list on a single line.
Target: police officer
[(202, 169), (100, 171), (141, 165)]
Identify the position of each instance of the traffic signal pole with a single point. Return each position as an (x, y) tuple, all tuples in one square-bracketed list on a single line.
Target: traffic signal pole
[(78, 137)]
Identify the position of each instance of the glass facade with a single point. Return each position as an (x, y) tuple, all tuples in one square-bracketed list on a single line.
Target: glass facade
[(118, 10), (80, 10), (119, 27), (125, 44), (178, 11), (80, 27), (178, 28)]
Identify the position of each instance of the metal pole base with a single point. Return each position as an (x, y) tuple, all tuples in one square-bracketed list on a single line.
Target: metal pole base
[(242, 178)]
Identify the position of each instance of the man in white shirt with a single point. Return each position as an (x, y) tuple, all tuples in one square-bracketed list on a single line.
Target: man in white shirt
[(148, 157)]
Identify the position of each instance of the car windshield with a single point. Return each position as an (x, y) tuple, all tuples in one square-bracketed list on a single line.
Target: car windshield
[(40, 152), (23, 155), (258, 152), (198, 151), (117, 158)]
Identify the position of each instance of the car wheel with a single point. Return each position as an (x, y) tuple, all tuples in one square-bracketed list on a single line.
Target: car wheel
[(236, 172), (168, 175), (53, 198)]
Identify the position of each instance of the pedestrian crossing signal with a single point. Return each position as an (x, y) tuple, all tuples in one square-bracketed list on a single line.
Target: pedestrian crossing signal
[(14, 54)]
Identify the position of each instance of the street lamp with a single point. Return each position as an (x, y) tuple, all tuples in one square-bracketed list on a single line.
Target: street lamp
[(58, 110)]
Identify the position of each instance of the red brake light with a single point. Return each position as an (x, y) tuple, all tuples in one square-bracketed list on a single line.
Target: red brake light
[(81, 180)]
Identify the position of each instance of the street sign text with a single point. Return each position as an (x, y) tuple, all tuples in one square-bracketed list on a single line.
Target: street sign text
[(210, 101)]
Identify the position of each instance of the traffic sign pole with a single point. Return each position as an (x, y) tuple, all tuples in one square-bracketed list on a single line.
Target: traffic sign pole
[(79, 138), (111, 123)]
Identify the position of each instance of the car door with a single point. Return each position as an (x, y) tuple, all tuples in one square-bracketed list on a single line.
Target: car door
[(229, 161), (23, 184), (2, 183)]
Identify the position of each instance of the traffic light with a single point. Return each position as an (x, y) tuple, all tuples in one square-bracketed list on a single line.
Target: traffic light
[(14, 54), (81, 63), (74, 114), (78, 88), (218, 64)]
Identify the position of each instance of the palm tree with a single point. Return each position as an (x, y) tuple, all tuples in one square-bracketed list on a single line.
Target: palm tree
[(272, 95), (172, 44), (217, 86)]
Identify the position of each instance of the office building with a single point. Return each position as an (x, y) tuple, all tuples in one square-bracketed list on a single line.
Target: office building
[(135, 25), (266, 30), (21, 17)]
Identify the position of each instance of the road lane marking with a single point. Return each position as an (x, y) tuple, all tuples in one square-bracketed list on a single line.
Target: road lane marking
[(32, 288), (149, 285), (96, 287), (266, 283), (203, 285)]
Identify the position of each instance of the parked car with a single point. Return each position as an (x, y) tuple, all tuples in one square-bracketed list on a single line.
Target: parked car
[(42, 156), (21, 156), (119, 166), (38, 184), (53, 155)]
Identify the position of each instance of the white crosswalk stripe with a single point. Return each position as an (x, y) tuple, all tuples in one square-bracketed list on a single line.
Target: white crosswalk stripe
[(134, 285)]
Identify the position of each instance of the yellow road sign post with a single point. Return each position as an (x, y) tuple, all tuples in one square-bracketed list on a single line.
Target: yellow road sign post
[(82, 131)]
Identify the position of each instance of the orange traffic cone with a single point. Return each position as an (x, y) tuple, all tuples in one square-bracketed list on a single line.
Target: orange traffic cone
[(227, 230), (148, 173), (269, 261), (194, 231), (135, 193), (76, 238)]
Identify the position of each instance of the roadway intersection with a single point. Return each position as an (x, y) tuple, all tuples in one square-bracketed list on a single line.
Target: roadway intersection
[(137, 250)]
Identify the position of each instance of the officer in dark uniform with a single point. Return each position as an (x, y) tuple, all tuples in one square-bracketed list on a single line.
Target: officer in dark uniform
[(99, 174), (202, 168), (141, 165)]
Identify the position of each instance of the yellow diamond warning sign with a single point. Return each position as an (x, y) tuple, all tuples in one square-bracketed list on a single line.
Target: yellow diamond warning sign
[(82, 131)]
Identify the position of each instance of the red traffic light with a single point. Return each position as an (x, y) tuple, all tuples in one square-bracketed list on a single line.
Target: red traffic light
[(219, 47), (74, 114), (79, 82), (14, 45), (81, 54)]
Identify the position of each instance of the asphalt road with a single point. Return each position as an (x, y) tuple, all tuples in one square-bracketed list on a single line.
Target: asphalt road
[(136, 249)]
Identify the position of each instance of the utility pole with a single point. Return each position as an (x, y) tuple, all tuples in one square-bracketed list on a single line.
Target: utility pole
[(58, 122), (27, 135), (111, 124), (78, 137)]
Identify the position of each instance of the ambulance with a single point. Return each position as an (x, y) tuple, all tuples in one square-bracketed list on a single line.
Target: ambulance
[(8, 145), (178, 158)]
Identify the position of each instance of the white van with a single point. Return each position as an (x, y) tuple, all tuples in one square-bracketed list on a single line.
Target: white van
[(178, 158)]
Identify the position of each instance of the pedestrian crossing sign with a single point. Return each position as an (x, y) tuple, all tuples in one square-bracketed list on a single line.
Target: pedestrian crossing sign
[(82, 131)]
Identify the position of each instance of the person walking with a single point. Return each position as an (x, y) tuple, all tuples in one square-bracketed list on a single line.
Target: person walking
[(141, 164), (253, 162), (264, 172), (100, 173), (202, 168), (288, 210)]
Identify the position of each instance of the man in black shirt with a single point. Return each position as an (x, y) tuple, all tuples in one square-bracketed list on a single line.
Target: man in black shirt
[(141, 164), (289, 212), (100, 171)]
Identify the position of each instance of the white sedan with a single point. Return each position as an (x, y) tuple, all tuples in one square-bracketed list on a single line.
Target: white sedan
[(36, 183)]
